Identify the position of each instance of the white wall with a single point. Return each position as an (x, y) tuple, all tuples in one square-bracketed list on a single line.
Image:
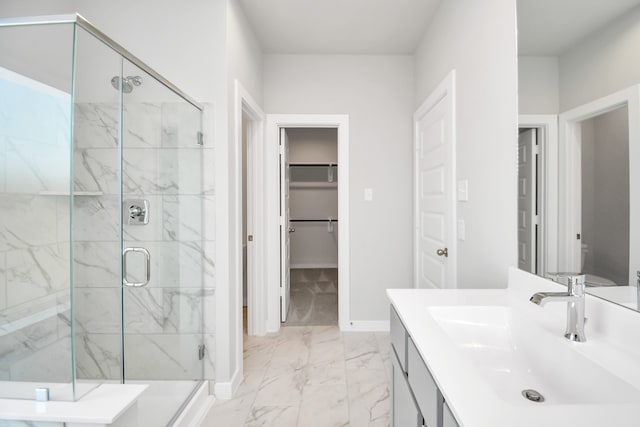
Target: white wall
[(243, 52), (478, 39), (538, 85), (604, 63), (377, 94), (244, 63)]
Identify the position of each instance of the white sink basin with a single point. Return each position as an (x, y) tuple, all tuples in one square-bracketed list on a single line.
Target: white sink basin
[(513, 354)]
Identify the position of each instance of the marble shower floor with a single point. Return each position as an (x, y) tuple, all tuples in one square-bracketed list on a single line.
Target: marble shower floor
[(314, 297), (308, 376)]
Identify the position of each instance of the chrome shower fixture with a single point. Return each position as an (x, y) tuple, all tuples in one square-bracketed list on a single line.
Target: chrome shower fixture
[(126, 83)]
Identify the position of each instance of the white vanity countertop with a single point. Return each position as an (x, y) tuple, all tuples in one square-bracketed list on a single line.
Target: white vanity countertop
[(613, 344), (101, 406)]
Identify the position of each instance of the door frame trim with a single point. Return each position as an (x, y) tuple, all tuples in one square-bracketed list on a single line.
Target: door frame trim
[(272, 180), (256, 226), (446, 89), (569, 255), (547, 125)]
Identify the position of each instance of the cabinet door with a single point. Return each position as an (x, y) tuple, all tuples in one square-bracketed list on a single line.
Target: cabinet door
[(404, 411), (399, 338)]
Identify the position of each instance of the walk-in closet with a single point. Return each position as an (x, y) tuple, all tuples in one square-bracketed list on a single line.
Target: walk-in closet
[(313, 225)]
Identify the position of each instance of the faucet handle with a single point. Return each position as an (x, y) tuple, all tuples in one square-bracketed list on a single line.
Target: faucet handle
[(576, 284)]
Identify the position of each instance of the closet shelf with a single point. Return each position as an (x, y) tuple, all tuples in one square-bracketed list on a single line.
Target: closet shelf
[(313, 220), (318, 184), (312, 164), (313, 174)]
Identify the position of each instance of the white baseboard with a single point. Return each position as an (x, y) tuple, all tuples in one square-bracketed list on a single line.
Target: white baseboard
[(197, 408), (226, 390), (365, 326), (313, 266)]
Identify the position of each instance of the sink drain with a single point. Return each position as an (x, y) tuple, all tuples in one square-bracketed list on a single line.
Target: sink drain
[(533, 396)]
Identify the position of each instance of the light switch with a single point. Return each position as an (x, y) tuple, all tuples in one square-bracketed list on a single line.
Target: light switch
[(368, 194), (461, 230), (463, 190)]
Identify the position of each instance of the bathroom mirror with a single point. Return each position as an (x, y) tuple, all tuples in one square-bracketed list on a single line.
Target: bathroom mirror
[(579, 142)]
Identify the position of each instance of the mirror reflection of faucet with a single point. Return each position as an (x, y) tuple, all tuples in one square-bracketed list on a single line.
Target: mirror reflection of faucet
[(574, 297)]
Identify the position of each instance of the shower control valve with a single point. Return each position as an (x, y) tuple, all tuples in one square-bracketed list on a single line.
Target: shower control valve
[(136, 211)]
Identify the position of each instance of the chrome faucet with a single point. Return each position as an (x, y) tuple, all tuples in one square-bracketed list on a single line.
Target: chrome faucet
[(574, 297)]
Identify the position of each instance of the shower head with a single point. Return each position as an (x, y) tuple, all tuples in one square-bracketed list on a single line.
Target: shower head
[(126, 83)]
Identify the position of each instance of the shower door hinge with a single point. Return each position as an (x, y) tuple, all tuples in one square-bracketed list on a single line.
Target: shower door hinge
[(201, 349), (200, 138)]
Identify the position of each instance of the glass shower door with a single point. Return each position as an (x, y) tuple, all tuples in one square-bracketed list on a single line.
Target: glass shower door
[(162, 239), (35, 211)]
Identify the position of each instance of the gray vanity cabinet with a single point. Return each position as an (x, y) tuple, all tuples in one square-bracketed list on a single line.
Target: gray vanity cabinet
[(404, 410), (416, 399), (424, 387)]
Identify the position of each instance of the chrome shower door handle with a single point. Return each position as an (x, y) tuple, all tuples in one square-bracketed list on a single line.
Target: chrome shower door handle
[(147, 258)]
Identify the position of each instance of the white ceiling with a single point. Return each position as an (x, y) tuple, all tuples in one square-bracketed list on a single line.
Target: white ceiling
[(550, 27), (339, 26)]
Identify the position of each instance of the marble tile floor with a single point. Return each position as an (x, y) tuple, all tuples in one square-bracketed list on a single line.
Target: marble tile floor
[(314, 297), (311, 376)]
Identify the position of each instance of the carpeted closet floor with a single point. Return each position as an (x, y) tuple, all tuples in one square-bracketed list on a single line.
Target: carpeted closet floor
[(314, 297)]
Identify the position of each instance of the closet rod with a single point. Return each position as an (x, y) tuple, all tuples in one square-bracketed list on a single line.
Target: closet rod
[(313, 220), (304, 165)]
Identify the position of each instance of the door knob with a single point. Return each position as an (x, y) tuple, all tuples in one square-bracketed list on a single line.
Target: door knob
[(443, 252), (292, 230)]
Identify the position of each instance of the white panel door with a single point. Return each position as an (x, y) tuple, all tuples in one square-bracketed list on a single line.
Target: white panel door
[(527, 218), (435, 198), (285, 241)]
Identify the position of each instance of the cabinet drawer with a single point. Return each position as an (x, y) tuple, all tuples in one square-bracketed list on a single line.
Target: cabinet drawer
[(448, 418), (404, 411), (424, 388), (399, 339)]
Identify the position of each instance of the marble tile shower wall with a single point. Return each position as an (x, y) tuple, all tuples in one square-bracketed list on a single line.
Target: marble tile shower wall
[(34, 238), (162, 321)]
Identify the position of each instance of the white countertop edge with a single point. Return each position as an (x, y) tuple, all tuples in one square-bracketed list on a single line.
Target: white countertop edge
[(100, 406)]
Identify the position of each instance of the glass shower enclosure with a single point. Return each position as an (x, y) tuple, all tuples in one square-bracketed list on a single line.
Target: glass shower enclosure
[(101, 255)]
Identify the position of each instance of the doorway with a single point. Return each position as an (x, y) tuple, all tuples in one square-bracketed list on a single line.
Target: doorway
[(246, 214), (594, 136), (538, 197), (249, 145), (309, 239), (303, 218), (605, 198), (528, 197)]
